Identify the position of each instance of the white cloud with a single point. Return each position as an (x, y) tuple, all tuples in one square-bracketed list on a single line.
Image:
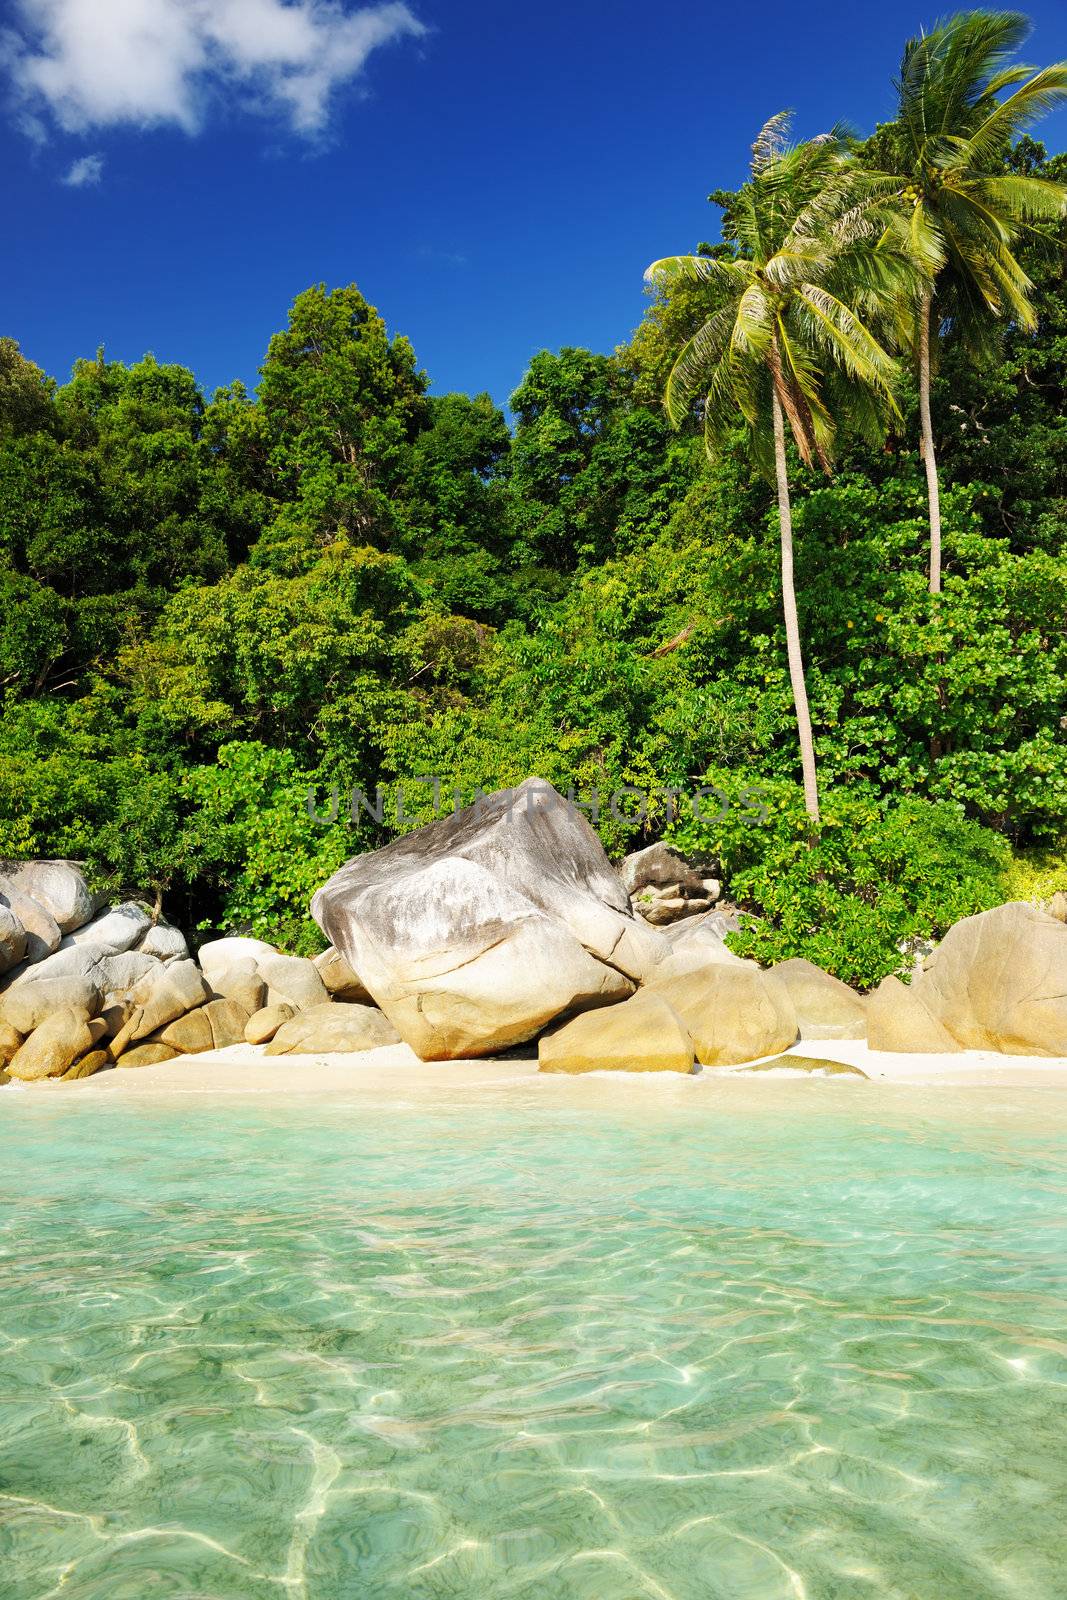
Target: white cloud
[(85, 171), (89, 64)]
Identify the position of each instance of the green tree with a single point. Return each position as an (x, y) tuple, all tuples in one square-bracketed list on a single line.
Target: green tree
[(788, 341), (341, 404), (965, 211)]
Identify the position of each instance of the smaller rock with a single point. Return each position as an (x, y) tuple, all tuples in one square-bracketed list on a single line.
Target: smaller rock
[(60, 1039), (330, 1027), (12, 939), (642, 1034), (659, 867), (40, 927), (293, 981), (898, 1019), (147, 1054), (218, 954), (1057, 906), (339, 979), (240, 983), (810, 1064), (164, 942), (10, 1039), (58, 886), (264, 1024), (86, 1065), (188, 1035), (112, 931), (228, 1019), (27, 1007)]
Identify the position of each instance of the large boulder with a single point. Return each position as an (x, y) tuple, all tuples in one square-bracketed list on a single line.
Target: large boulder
[(732, 1012), (28, 1005), (326, 1028), (112, 931), (475, 931), (998, 981), (12, 939), (40, 926), (292, 981), (899, 1020), (340, 981), (60, 1039), (58, 886), (825, 1007), (643, 1034)]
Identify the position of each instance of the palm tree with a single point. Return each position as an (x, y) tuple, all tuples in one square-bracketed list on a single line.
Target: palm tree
[(789, 335), (948, 144)]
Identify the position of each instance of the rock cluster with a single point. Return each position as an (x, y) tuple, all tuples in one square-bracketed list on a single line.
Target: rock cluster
[(86, 987), (507, 923), (501, 925), (664, 888)]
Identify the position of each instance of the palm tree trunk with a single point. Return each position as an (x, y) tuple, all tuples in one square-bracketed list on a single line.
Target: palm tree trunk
[(792, 625), (932, 489)]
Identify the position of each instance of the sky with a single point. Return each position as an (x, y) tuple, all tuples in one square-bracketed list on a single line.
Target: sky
[(495, 176)]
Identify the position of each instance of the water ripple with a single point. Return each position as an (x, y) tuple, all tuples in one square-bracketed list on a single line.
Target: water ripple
[(515, 1351)]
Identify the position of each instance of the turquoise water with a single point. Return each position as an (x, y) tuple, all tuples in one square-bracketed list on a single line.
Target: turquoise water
[(798, 1347)]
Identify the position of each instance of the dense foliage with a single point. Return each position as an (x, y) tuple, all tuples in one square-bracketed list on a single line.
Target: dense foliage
[(345, 587)]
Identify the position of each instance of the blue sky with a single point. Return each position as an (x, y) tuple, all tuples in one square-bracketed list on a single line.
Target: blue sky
[(495, 177)]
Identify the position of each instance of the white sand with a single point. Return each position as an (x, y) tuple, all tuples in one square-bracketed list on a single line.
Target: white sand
[(245, 1069)]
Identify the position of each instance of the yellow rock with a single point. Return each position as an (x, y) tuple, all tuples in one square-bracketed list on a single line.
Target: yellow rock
[(898, 1019), (51, 1047), (264, 1024), (86, 1065), (147, 1054), (998, 981), (812, 1064), (642, 1034), (826, 1008), (10, 1039), (732, 1012)]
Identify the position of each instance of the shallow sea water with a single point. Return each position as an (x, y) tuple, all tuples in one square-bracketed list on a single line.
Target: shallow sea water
[(798, 1342)]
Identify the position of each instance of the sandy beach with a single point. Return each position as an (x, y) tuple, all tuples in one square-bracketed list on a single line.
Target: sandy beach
[(247, 1070)]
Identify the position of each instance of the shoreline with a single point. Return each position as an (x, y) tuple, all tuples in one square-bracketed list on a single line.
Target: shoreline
[(246, 1070)]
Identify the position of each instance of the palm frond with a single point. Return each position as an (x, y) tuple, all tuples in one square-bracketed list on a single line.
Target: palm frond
[(852, 345), (771, 142), (697, 364), (1045, 91), (699, 269), (1023, 199)]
